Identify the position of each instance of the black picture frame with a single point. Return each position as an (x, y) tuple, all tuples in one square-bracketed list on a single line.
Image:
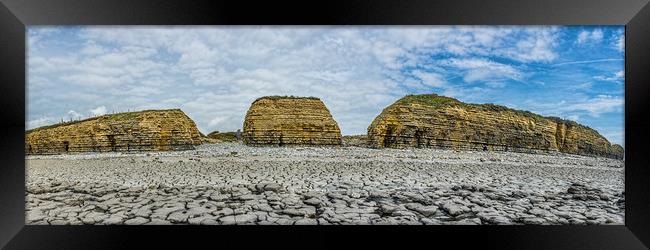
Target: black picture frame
[(15, 15)]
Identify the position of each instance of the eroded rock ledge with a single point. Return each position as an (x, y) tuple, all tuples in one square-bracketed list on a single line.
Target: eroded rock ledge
[(132, 131), (443, 122), (281, 121)]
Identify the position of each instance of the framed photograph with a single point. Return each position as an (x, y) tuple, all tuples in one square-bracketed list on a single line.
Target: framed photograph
[(515, 124)]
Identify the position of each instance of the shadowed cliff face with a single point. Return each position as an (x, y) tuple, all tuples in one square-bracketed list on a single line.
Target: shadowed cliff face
[(438, 121), (133, 131), (290, 121)]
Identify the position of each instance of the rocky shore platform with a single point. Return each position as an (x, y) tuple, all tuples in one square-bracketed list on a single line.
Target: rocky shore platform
[(230, 183)]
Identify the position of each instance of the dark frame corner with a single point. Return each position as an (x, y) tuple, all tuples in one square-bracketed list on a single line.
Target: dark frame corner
[(15, 15)]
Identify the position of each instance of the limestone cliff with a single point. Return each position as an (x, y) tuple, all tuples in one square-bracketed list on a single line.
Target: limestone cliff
[(438, 121), (132, 131), (276, 120)]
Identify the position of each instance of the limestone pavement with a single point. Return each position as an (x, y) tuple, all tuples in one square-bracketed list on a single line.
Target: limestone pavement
[(230, 183)]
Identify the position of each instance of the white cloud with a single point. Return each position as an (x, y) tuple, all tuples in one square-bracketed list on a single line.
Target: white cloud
[(37, 37), (94, 80), (214, 73), (73, 115), (619, 76), (430, 78), (484, 70), (217, 120), (583, 36), (496, 84), (91, 48), (613, 135), (471, 95), (581, 86), (101, 110), (38, 122), (590, 36), (588, 61), (619, 42), (597, 105), (537, 46), (579, 106), (597, 35)]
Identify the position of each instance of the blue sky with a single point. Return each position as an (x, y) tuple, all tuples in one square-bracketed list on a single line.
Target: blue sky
[(214, 73)]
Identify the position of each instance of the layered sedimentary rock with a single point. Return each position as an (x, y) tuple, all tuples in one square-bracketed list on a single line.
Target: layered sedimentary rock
[(133, 131), (276, 120), (438, 121)]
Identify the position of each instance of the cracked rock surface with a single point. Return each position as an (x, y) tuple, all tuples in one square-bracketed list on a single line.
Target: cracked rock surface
[(322, 185)]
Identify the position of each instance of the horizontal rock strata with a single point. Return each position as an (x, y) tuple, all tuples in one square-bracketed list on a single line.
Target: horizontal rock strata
[(290, 121), (133, 131), (438, 121)]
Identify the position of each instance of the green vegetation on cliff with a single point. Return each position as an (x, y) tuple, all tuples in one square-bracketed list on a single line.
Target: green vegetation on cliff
[(438, 101), (223, 136), (278, 97), (432, 100), (147, 130), (109, 117)]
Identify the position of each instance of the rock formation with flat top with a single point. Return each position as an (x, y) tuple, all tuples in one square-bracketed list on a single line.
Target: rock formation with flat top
[(438, 121), (282, 121), (133, 131)]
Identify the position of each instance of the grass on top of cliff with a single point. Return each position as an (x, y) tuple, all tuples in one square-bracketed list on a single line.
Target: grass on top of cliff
[(223, 136), (432, 100), (279, 97), (108, 117), (438, 101)]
